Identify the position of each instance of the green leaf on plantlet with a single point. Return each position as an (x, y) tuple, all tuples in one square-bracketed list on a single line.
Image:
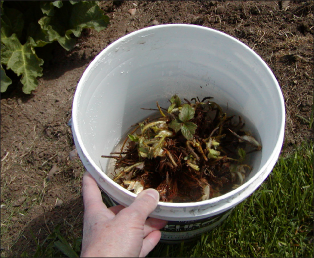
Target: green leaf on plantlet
[(171, 107), (143, 149), (242, 155), (22, 60), (5, 80), (191, 127), (175, 100), (175, 125), (133, 138), (186, 113), (213, 154), (186, 132)]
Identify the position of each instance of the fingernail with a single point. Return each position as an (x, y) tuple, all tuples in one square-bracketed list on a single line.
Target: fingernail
[(153, 193)]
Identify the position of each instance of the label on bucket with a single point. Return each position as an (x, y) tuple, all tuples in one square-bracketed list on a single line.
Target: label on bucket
[(176, 231), (187, 230)]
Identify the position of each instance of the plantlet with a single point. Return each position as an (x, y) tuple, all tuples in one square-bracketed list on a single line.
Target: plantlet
[(192, 152), (182, 122)]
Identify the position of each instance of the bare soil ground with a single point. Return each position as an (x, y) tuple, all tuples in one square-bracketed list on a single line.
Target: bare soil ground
[(40, 171)]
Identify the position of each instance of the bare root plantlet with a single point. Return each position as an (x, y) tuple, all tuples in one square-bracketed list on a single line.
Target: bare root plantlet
[(192, 152)]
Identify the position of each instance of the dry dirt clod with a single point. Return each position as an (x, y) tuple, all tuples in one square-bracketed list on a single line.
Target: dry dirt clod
[(73, 154), (154, 22), (14, 218), (132, 11), (52, 171), (19, 202), (58, 203), (285, 5), (220, 10)]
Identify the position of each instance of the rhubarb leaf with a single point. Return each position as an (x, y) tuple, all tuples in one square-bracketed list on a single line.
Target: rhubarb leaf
[(73, 19), (47, 7), (10, 25), (22, 60), (5, 80)]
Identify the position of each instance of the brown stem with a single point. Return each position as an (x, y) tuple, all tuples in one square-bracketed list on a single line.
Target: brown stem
[(110, 157), (170, 157), (121, 150), (201, 150), (188, 145)]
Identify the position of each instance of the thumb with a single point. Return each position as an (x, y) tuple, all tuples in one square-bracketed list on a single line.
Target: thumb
[(145, 203)]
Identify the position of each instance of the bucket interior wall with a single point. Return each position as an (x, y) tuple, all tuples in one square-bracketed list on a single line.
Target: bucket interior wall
[(138, 71)]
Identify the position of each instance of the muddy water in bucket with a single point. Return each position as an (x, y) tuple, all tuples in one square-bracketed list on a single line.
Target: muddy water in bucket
[(152, 65)]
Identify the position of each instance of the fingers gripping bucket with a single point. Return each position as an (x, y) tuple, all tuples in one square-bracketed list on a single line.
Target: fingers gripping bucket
[(153, 64)]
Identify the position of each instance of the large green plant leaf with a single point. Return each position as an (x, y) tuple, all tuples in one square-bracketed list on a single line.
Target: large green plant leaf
[(36, 36), (12, 25), (47, 7), (5, 80), (87, 14), (22, 60), (29, 24), (76, 1), (73, 19)]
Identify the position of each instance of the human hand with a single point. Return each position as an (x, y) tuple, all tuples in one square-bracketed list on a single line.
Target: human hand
[(118, 231)]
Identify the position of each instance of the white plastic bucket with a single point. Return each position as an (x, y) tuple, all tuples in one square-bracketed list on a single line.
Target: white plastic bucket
[(155, 63)]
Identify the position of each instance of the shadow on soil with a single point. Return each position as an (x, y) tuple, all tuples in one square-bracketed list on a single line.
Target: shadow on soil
[(68, 215)]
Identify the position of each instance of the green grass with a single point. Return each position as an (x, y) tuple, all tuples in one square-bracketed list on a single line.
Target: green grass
[(275, 221)]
